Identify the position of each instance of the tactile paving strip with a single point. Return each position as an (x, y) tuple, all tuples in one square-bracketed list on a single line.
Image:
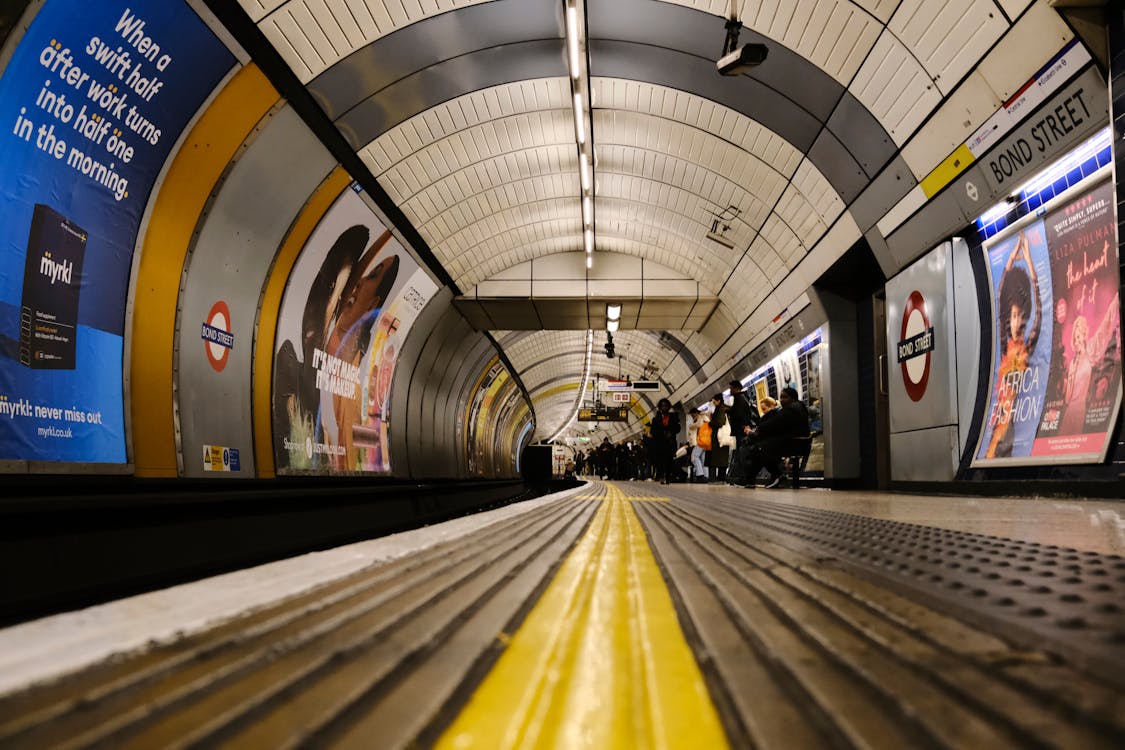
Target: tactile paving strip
[(1069, 601)]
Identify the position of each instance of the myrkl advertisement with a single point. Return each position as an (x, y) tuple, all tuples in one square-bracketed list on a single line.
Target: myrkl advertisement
[(349, 303), (91, 103), (1056, 361)]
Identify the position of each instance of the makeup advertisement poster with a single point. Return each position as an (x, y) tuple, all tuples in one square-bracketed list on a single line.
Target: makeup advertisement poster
[(351, 299)]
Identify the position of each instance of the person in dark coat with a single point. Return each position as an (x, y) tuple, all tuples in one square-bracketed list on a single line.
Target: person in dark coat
[(774, 433), (663, 432), (742, 421)]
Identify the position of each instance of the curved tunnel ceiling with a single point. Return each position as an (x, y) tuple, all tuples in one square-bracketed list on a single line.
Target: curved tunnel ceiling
[(462, 111)]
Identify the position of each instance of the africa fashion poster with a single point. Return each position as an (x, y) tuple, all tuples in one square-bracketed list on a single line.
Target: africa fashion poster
[(1056, 361)]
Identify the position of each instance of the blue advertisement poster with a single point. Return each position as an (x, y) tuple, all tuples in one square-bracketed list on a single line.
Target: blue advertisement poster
[(91, 103)]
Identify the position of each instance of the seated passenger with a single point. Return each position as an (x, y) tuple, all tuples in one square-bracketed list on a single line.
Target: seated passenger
[(774, 432)]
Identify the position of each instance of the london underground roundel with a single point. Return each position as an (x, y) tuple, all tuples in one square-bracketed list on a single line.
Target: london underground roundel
[(916, 343), (217, 337)]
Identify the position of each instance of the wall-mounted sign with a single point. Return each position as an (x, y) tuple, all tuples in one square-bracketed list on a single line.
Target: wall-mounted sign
[(92, 99), (604, 414), (218, 339), (621, 398), (221, 458), (646, 385), (915, 343)]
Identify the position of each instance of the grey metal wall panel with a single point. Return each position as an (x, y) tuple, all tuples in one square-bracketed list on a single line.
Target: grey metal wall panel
[(967, 322), (433, 421), (666, 67), (925, 455), (469, 363), (883, 194), (404, 374), (674, 27), (879, 249), (435, 39), (230, 262), (423, 391), (853, 124), (837, 165), (923, 388), (458, 345), (447, 80), (941, 217)]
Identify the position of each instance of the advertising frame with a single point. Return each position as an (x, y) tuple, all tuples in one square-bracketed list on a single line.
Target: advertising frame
[(1069, 196)]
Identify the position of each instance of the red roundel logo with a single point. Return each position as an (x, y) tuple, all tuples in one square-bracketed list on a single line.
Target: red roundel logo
[(217, 337), (916, 342)]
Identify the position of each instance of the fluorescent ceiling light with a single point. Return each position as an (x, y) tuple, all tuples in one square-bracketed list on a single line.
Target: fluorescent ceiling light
[(579, 119), (613, 312), (585, 168), (611, 326), (589, 261), (586, 211), (589, 241), (572, 39)]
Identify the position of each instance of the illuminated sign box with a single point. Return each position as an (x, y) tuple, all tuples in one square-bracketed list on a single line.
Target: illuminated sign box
[(604, 414)]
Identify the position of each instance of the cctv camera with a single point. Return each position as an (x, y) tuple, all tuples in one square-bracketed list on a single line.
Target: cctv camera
[(742, 59)]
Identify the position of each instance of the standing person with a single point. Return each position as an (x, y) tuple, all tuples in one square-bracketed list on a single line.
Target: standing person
[(663, 429), (719, 455), (742, 420), (699, 471), (774, 432)]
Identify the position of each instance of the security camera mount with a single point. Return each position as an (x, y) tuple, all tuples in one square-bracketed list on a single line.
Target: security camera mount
[(736, 60)]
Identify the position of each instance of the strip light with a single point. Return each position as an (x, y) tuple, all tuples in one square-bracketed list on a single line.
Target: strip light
[(581, 389), (583, 117), (579, 119), (572, 40)]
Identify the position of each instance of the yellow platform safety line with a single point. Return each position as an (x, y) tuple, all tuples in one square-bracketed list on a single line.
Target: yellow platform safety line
[(600, 662)]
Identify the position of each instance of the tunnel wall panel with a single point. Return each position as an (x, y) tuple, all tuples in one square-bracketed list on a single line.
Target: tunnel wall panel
[(223, 280), (417, 405), (460, 383), (407, 364), (195, 170)]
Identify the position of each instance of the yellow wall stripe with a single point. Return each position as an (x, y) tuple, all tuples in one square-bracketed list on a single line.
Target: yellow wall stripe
[(600, 662), (554, 391), (943, 173), (196, 168), (310, 216)]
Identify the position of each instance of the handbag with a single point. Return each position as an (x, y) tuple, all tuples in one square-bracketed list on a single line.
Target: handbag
[(725, 438), (703, 437)]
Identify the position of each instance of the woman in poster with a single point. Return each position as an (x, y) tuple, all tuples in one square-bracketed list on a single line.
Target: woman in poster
[(1087, 351), (348, 338), (1019, 299)]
